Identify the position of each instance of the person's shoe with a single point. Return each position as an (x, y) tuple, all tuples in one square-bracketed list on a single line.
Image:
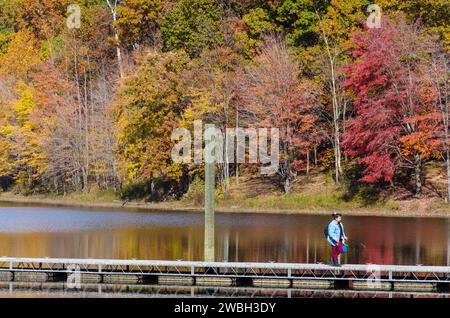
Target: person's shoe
[(335, 263), (331, 263)]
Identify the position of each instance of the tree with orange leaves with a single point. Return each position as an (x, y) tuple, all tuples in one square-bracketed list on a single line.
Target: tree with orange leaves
[(274, 97)]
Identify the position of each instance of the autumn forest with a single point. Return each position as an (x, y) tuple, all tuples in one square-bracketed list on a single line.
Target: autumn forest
[(91, 108)]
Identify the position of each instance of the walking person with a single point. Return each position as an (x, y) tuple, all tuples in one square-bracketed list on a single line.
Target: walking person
[(336, 237)]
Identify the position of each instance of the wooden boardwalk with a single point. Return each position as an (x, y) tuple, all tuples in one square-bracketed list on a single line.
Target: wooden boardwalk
[(227, 274)]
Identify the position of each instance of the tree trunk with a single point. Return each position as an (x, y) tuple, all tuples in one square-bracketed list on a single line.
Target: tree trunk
[(113, 9), (445, 116), (236, 153), (448, 174), (119, 53), (445, 111), (85, 180), (336, 162), (86, 132), (344, 110), (336, 111), (287, 185), (337, 147), (315, 156), (418, 174), (307, 162)]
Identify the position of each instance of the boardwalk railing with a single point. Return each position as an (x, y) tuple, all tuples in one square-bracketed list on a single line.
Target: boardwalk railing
[(235, 273)]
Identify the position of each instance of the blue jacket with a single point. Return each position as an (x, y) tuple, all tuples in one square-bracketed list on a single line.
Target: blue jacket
[(335, 233)]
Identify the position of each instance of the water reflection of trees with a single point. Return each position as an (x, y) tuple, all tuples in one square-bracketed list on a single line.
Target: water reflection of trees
[(374, 240)]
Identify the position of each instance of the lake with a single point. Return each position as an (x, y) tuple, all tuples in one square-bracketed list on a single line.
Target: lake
[(38, 231)]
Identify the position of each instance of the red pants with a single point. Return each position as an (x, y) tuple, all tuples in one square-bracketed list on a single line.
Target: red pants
[(336, 250)]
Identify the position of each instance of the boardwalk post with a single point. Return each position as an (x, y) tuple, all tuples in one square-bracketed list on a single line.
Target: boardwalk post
[(210, 180), (209, 211)]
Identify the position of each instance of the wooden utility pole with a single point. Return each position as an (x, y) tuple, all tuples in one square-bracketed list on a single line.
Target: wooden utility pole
[(210, 178), (210, 189)]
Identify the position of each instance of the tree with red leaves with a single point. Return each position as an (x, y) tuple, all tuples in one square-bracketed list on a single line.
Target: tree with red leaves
[(396, 119)]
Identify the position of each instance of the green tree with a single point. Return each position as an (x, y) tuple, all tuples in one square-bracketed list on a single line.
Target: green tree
[(255, 24), (8, 23), (192, 25), (299, 18)]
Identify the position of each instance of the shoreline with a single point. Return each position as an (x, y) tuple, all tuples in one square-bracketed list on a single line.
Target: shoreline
[(180, 207)]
